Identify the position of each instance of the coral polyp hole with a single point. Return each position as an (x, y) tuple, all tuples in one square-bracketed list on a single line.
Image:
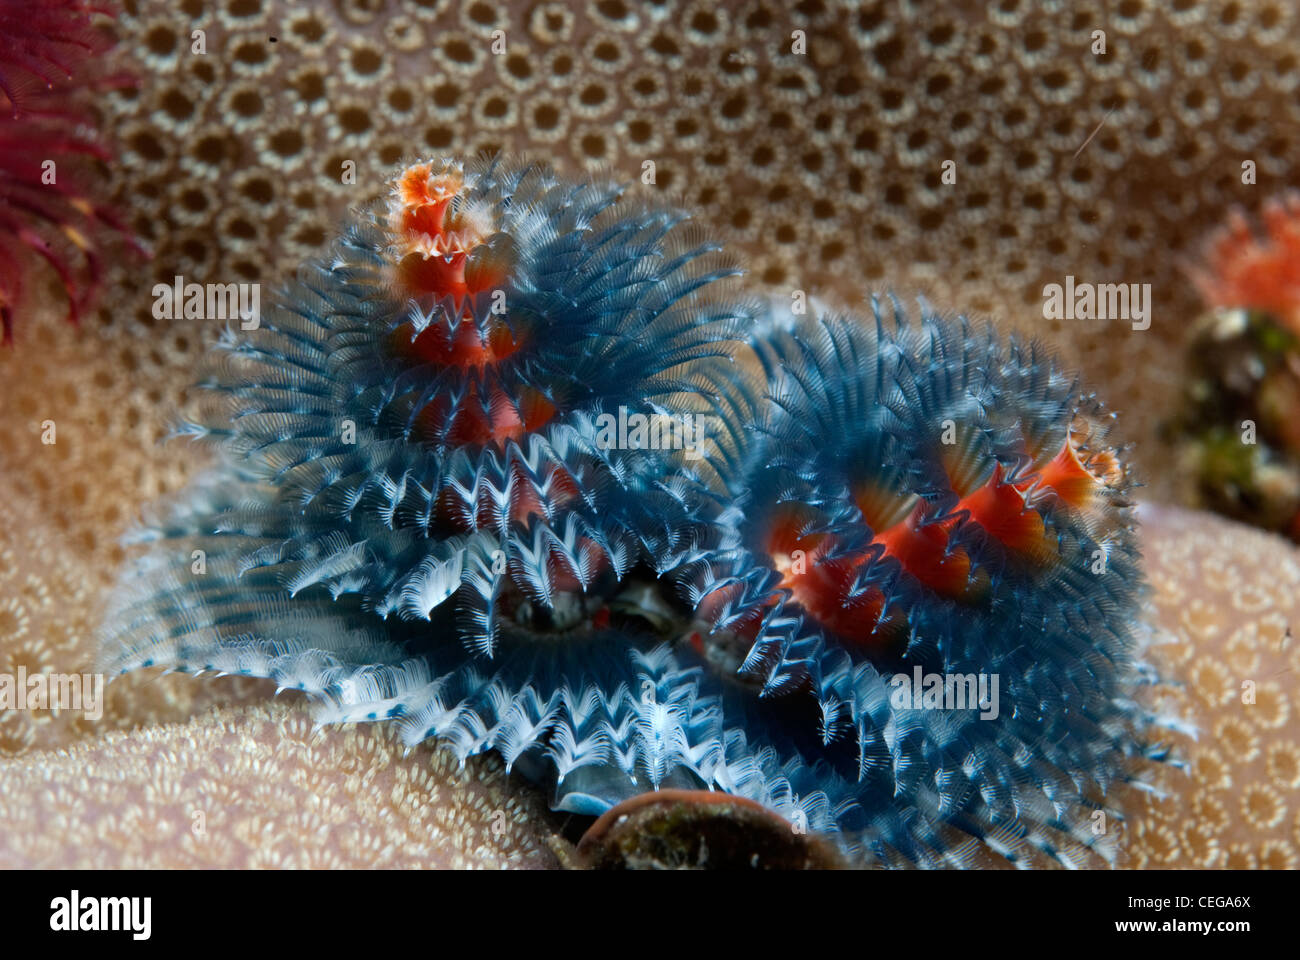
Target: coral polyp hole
[(161, 41), (401, 99), (366, 61), (458, 51), (832, 251), (147, 146), (518, 66), (354, 120), (195, 200), (247, 103), (446, 96), (287, 143), (439, 138), (482, 14), (211, 149), (253, 53), (176, 105), (309, 29), (546, 117)]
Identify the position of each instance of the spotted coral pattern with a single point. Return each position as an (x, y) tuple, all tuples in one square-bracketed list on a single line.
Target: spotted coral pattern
[(1226, 636), (258, 787), (798, 156), (49, 618)]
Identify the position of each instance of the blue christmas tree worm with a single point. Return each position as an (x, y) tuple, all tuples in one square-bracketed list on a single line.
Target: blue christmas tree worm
[(422, 513)]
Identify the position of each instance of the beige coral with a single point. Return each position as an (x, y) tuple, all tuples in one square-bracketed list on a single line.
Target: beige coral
[(1224, 598), (51, 592), (256, 787)]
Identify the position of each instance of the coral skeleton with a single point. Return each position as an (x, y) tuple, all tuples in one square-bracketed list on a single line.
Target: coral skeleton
[(417, 515)]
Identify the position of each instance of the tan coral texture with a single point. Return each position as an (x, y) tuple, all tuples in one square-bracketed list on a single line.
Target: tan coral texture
[(1226, 599), (256, 787)]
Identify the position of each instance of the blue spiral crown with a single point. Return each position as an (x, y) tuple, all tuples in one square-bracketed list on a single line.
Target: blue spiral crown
[(443, 496)]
